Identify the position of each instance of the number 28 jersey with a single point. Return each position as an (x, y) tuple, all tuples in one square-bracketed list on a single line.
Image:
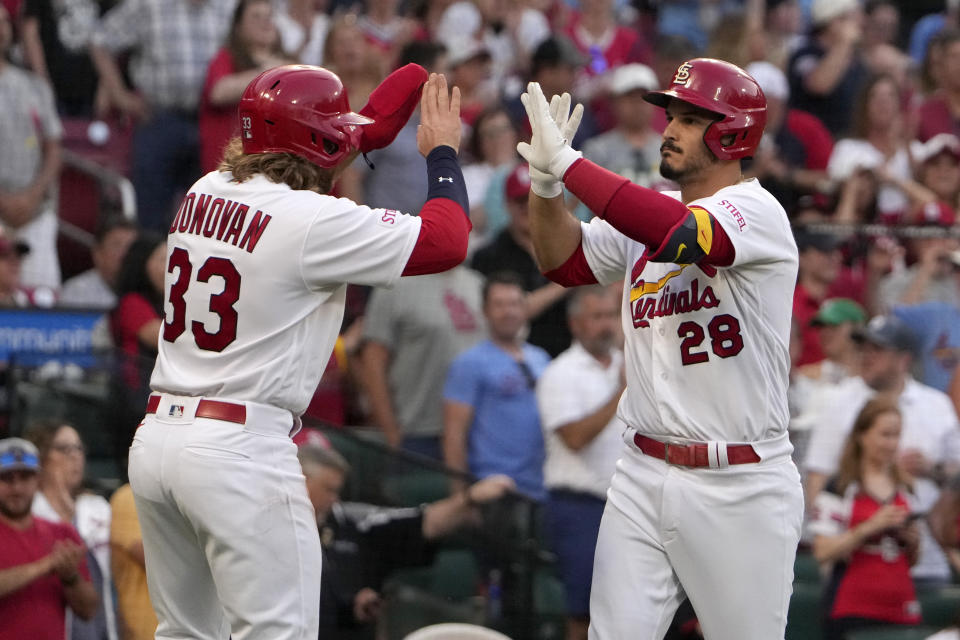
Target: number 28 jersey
[(256, 283), (707, 348)]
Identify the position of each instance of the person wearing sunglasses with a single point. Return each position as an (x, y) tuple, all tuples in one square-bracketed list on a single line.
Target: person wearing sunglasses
[(63, 498), (491, 423)]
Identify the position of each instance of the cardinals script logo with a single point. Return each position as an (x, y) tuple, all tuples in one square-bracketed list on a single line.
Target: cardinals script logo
[(683, 74)]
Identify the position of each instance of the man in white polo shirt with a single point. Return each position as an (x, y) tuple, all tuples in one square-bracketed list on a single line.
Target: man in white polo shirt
[(929, 443), (577, 396)]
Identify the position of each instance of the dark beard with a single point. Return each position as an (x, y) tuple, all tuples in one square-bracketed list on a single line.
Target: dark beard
[(670, 173), (14, 515), (693, 169)]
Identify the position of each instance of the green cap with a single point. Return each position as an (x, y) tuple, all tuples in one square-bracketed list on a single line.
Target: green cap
[(837, 311)]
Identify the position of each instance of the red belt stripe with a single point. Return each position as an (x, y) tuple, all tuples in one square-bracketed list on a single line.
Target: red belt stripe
[(693, 455), (214, 409)]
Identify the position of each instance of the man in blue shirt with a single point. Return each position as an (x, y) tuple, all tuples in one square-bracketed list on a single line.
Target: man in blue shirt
[(937, 327), (490, 419)]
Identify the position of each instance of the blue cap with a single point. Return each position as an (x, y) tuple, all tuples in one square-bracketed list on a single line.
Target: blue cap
[(888, 332), (18, 454)]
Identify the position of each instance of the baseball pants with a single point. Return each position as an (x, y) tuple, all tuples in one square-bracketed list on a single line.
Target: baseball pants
[(229, 535), (726, 538)]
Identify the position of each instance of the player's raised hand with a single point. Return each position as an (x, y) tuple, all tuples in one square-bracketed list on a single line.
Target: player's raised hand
[(567, 121), (548, 151), (439, 116), (544, 184)]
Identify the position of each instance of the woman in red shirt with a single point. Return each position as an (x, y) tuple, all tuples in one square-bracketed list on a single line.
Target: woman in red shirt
[(862, 527), (135, 321), (253, 46)]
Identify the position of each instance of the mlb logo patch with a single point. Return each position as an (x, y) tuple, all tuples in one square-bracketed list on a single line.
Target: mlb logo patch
[(176, 411)]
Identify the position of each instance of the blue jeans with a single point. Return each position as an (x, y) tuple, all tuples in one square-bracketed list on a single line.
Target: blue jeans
[(572, 524), (165, 163)]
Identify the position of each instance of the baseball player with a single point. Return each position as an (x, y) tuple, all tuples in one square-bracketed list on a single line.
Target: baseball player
[(705, 500), (257, 265)]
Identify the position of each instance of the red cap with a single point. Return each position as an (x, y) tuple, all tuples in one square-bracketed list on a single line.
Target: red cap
[(309, 435), (518, 183)]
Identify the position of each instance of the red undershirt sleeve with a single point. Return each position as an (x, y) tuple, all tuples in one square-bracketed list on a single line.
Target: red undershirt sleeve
[(574, 272), (641, 214), (442, 243)]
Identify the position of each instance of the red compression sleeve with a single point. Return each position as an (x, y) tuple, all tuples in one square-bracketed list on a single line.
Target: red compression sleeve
[(442, 243), (574, 272), (641, 214)]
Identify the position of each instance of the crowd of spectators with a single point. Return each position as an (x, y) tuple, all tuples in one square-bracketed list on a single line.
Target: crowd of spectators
[(490, 368)]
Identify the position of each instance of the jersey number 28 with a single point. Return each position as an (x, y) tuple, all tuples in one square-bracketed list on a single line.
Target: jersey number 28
[(220, 303), (725, 339)]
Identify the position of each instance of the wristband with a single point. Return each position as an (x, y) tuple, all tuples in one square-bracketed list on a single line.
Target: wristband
[(444, 177), (562, 161), (543, 184), (72, 580)]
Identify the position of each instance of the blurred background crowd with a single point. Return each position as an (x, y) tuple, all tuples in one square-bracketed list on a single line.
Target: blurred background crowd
[(111, 109)]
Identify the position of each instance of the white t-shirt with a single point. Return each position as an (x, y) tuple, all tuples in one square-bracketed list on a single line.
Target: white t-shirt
[(929, 424), (92, 521), (573, 386), (851, 154), (707, 349), (255, 291)]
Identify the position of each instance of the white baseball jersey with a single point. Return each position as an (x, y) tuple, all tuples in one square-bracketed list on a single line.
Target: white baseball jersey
[(707, 348), (256, 283)]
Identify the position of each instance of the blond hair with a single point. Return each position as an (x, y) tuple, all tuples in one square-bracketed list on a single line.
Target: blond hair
[(282, 168)]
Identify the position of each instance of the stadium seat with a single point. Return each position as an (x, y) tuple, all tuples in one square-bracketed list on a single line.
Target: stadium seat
[(416, 486), (453, 576), (940, 605), (548, 593), (804, 621), (407, 609), (892, 633), (456, 632), (806, 568)]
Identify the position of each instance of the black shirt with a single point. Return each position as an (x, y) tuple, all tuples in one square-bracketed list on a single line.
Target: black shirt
[(836, 108), (362, 545), (548, 330)]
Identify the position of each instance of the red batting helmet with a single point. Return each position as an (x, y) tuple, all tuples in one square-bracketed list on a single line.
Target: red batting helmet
[(726, 90), (301, 110)]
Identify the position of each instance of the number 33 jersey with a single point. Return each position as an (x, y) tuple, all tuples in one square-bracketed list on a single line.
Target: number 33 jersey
[(255, 286), (707, 348)]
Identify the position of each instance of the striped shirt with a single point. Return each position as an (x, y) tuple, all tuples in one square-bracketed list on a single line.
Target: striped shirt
[(173, 43)]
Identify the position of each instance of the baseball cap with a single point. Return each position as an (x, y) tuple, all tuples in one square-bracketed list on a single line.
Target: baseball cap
[(837, 311), (823, 11), (773, 82), (555, 51), (940, 143), (458, 21), (18, 454), (807, 239), (517, 185), (888, 332), (461, 50), (630, 77)]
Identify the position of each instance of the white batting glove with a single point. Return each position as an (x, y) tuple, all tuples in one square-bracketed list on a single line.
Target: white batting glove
[(549, 153)]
